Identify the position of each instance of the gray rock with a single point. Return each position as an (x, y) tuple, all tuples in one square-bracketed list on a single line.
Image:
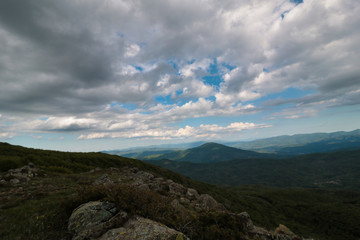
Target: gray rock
[(143, 187), (142, 229), (192, 194), (284, 233), (103, 180), (247, 222), (184, 201), (92, 219), (207, 202), (23, 174), (3, 182), (14, 181), (177, 189)]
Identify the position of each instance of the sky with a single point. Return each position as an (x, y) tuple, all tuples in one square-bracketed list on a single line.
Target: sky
[(95, 75)]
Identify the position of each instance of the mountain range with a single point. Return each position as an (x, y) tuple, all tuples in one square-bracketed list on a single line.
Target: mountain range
[(275, 147), (303, 143)]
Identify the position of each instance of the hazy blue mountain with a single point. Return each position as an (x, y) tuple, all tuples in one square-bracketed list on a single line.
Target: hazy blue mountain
[(331, 170), (282, 145), (209, 152), (304, 143), (141, 152)]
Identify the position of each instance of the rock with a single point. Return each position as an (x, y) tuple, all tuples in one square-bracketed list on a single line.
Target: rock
[(93, 219), (23, 174), (192, 194), (144, 187), (102, 220), (133, 170), (103, 180), (184, 201), (247, 222), (31, 165), (142, 229), (207, 202), (176, 189), (175, 203), (3, 182), (284, 233), (145, 175), (14, 181)]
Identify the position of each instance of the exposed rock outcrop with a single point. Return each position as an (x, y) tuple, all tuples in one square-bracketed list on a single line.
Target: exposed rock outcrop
[(106, 221), (142, 229), (103, 180), (92, 219), (19, 175)]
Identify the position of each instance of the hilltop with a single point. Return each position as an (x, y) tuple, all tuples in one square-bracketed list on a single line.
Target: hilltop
[(208, 153)]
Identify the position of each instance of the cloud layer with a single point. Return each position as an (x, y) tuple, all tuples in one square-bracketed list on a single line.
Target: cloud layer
[(135, 68)]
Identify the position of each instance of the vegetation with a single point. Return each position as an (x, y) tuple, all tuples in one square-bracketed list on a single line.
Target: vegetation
[(338, 170), (40, 209), (313, 213), (66, 162)]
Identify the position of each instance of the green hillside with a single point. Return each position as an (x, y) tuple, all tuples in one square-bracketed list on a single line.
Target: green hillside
[(208, 153), (338, 170)]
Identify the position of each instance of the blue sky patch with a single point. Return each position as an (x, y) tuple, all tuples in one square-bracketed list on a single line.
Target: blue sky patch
[(165, 100), (129, 106), (297, 2), (289, 93), (139, 68), (213, 80)]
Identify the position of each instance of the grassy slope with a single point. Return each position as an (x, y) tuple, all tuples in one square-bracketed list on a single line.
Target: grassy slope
[(40, 210)]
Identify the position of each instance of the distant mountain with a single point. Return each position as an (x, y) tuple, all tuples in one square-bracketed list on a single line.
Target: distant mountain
[(208, 153), (304, 143), (141, 154), (330, 170), (153, 150), (284, 146)]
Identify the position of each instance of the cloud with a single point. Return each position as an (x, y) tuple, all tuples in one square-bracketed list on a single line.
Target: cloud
[(6, 135), (75, 61), (202, 132), (132, 50), (295, 113), (66, 124)]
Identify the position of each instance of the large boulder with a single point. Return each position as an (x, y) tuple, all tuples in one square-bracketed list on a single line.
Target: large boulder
[(142, 229), (92, 219)]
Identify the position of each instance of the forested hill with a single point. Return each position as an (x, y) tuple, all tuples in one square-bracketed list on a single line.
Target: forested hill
[(339, 170), (209, 153)]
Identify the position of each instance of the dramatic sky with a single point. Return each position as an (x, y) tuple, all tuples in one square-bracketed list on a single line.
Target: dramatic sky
[(89, 75)]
